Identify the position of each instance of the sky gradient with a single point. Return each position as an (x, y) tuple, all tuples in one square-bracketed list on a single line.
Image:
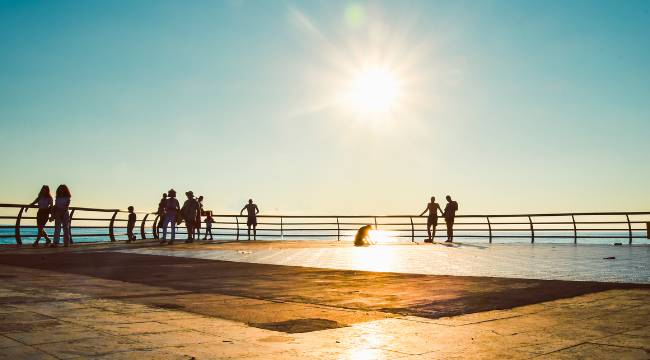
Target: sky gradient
[(510, 106)]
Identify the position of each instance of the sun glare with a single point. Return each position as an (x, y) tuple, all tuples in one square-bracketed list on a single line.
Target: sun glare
[(373, 90)]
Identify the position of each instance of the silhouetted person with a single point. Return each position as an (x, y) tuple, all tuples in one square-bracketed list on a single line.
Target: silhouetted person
[(198, 221), (44, 202), (61, 215), (450, 214), (209, 220), (252, 211), (130, 225), (161, 210), (190, 211), (362, 238), (171, 210), (432, 219)]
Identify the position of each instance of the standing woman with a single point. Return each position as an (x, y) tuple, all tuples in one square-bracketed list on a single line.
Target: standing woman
[(44, 202), (61, 215)]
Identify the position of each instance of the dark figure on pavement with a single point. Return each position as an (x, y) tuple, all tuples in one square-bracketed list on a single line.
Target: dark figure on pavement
[(161, 210), (44, 202), (62, 216), (190, 212), (252, 211), (450, 214), (130, 225), (171, 210), (432, 219), (198, 217), (362, 238), (209, 220)]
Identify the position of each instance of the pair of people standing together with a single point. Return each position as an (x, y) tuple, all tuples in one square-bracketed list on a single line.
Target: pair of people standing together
[(49, 210), (432, 220), (171, 213)]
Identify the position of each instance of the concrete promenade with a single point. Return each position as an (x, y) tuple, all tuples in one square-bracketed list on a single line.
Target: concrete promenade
[(95, 302)]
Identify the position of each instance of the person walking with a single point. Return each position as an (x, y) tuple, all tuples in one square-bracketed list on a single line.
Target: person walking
[(432, 219), (61, 215), (190, 212), (450, 215), (161, 210), (171, 209), (44, 202), (130, 225), (252, 211), (209, 220)]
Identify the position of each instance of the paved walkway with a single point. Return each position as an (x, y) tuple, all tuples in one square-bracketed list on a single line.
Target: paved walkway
[(81, 303), (630, 264)]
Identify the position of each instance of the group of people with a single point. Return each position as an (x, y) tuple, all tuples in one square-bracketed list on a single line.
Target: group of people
[(50, 209), (172, 214)]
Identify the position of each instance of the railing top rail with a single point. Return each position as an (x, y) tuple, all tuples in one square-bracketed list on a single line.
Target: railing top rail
[(608, 213)]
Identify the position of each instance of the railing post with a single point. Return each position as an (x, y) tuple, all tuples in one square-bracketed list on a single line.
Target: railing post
[(338, 230), (575, 229), (532, 230), (281, 229), (489, 228), (19, 240), (237, 220), (376, 227), (70, 226), (629, 228), (412, 229), (111, 231), (155, 226), (142, 233)]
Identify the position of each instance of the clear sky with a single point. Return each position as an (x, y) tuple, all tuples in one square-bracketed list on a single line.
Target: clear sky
[(510, 106)]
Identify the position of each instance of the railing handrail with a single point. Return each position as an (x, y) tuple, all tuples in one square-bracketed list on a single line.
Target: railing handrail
[(612, 213)]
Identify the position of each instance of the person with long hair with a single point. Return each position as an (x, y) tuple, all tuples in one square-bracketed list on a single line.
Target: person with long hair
[(61, 215), (44, 202)]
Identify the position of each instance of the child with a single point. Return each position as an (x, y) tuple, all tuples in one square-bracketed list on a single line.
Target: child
[(208, 225), (130, 225)]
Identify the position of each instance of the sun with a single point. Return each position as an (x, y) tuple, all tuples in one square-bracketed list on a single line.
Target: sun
[(373, 90)]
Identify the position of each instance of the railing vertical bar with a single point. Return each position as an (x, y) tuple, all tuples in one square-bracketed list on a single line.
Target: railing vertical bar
[(111, 230), (142, 233), (575, 229), (237, 220), (376, 227), (489, 228), (155, 226), (70, 226), (338, 230), (532, 230), (412, 229), (19, 240), (629, 228), (281, 229)]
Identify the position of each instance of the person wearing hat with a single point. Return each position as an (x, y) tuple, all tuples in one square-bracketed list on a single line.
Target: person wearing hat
[(190, 211), (171, 209)]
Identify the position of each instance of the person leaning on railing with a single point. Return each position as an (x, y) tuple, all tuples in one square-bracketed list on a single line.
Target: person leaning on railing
[(44, 202), (61, 215)]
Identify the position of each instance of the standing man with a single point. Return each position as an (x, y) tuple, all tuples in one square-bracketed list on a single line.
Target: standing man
[(190, 211), (171, 209), (432, 220), (130, 225), (450, 214), (252, 211)]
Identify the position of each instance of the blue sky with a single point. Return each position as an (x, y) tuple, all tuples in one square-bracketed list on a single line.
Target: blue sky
[(507, 105)]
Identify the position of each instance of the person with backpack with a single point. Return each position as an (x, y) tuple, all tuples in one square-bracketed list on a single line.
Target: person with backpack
[(172, 207), (190, 212)]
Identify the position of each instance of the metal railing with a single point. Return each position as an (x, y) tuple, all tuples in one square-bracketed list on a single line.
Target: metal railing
[(569, 227)]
